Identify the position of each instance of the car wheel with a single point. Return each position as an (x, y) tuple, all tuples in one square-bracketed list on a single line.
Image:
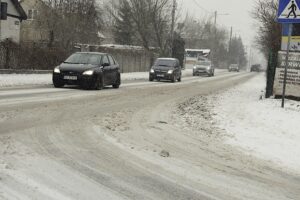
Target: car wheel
[(150, 79), (179, 79), (173, 80), (58, 85), (99, 83), (118, 82)]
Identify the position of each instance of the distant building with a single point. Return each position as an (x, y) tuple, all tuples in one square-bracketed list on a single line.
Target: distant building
[(10, 28), (34, 30)]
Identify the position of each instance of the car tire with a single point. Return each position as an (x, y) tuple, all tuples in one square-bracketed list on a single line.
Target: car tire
[(151, 79), (179, 79), (99, 83), (173, 80), (118, 82), (58, 85)]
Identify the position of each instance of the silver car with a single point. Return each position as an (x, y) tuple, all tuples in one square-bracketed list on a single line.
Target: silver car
[(204, 68), (234, 67)]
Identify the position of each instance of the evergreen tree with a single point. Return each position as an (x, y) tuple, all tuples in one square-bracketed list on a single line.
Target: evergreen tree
[(178, 48), (237, 54), (124, 29)]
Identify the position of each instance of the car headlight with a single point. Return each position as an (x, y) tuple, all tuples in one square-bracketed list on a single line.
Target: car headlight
[(89, 72), (208, 68), (151, 70), (56, 70), (170, 71), (195, 67)]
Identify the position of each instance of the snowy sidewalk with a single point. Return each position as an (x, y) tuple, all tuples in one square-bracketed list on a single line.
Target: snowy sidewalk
[(261, 127), (9, 80)]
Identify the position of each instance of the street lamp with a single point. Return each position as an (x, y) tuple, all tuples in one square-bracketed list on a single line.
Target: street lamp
[(215, 35)]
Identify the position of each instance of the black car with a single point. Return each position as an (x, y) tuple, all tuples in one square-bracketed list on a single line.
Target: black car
[(90, 70), (165, 69)]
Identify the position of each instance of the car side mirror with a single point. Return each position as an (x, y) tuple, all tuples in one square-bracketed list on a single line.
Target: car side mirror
[(105, 64)]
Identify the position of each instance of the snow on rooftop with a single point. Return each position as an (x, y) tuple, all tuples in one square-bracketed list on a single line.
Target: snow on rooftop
[(199, 50)]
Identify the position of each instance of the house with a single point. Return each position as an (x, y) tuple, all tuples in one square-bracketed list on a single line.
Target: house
[(34, 30), (10, 27)]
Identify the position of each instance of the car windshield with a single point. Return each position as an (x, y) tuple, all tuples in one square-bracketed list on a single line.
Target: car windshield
[(84, 58), (204, 63), (165, 63), (234, 65)]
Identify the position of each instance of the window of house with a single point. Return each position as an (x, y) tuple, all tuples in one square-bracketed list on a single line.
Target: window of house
[(32, 14)]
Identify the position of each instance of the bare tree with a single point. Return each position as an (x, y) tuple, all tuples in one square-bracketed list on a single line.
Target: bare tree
[(269, 32), (71, 21), (150, 19), (268, 37)]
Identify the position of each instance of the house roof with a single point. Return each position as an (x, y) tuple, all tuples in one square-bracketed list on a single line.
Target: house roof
[(19, 8)]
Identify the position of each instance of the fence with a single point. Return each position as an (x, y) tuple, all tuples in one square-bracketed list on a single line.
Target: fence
[(130, 59), (13, 56), (34, 57)]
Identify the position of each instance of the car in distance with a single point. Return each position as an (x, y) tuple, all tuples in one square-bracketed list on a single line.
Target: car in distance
[(204, 67), (256, 68), (165, 69), (234, 67), (90, 70)]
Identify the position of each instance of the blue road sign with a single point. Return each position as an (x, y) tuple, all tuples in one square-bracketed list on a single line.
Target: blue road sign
[(289, 11)]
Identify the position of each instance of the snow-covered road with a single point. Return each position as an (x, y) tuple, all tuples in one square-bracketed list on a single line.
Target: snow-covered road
[(143, 141)]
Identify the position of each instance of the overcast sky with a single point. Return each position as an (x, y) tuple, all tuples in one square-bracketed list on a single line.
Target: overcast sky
[(239, 14)]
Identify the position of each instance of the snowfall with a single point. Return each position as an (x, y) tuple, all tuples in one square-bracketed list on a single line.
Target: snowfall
[(255, 125), (259, 126), (9, 80)]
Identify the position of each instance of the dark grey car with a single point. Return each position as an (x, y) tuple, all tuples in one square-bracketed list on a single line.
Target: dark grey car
[(165, 69)]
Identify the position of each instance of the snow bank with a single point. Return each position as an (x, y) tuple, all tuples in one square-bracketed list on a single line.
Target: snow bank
[(7, 80), (261, 127)]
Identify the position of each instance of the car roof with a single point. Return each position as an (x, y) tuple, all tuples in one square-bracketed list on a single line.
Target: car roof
[(98, 53), (173, 59)]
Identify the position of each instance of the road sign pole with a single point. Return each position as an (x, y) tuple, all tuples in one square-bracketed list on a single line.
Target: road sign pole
[(286, 63)]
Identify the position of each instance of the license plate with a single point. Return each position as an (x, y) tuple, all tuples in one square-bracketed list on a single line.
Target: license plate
[(160, 75), (70, 78)]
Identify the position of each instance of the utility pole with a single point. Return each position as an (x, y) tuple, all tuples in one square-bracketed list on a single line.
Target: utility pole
[(214, 48), (230, 39), (215, 39), (173, 27)]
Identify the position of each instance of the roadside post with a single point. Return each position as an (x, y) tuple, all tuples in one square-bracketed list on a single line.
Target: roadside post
[(288, 13)]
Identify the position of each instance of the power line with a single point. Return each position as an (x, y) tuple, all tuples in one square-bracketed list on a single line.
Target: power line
[(201, 7)]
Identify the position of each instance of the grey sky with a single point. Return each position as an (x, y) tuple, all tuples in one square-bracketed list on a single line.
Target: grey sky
[(239, 14)]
